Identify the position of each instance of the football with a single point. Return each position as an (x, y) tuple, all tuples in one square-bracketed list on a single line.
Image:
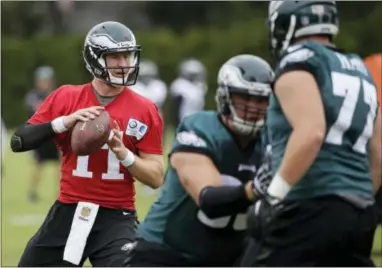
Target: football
[(88, 137)]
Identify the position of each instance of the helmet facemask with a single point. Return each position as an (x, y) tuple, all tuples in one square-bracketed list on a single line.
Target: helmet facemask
[(247, 117), (128, 73)]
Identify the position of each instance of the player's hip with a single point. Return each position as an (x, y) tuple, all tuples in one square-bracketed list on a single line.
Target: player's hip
[(69, 208), (310, 187), (62, 216), (339, 222), (328, 208), (145, 253), (318, 231), (73, 190)]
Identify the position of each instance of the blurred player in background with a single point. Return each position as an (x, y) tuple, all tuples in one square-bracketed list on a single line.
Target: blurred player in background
[(325, 130), (44, 84), (188, 90), (4, 139), (95, 214), (149, 84), (374, 63), (199, 218)]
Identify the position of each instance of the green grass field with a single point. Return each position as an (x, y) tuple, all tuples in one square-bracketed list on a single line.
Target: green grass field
[(20, 219)]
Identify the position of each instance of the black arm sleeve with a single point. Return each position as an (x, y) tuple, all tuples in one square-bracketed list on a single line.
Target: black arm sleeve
[(220, 201), (29, 137)]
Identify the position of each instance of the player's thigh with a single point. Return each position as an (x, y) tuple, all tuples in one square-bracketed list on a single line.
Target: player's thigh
[(378, 203), (362, 239), (147, 254), (46, 247), (107, 246), (37, 157), (314, 230), (247, 259)]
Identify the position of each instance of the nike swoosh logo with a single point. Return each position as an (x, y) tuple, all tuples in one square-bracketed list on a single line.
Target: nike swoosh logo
[(125, 213)]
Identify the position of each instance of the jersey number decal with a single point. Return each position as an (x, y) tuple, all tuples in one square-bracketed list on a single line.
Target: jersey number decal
[(348, 87), (112, 173)]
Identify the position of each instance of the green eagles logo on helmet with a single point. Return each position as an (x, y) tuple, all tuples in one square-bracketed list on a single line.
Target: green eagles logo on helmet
[(289, 20)]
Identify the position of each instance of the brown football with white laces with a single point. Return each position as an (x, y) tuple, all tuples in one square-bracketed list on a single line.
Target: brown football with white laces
[(88, 137)]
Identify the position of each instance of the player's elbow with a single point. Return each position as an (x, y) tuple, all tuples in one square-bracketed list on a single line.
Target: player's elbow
[(314, 131), (154, 181), (17, 139), (15, 143), (157, 178), (312, 136), (316, 138), (157, 182)]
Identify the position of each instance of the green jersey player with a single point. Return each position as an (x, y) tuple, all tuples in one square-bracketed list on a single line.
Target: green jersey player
[(325, 131), (199, 218)]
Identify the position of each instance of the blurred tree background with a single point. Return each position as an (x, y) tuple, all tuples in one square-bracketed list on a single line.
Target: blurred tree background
[(52, 33)]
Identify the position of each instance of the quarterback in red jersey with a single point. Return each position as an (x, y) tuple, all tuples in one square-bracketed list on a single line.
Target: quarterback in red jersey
[(94, 216)]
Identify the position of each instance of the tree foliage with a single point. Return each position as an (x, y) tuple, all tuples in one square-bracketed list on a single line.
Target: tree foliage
[(212, 43)]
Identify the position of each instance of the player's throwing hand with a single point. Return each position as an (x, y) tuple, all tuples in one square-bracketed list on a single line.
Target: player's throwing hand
[(82, 115), (116, 144)]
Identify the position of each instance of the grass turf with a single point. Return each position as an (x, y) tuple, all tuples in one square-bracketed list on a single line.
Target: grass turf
[(20, 219)]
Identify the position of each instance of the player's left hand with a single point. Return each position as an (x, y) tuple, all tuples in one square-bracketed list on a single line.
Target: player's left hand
[(115, 143), (261, 214)]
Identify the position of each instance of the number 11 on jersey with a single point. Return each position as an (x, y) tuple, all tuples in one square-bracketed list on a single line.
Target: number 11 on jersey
[(112, 173)]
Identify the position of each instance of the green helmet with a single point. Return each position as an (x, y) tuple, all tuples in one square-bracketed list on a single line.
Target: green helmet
[(247, 75), (288, 20)]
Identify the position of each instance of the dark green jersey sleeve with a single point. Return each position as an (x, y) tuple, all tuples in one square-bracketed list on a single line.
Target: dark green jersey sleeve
[(192, 136), (301, 57)]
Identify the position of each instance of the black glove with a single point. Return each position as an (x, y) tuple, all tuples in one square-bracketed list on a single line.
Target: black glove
[(261, 214)]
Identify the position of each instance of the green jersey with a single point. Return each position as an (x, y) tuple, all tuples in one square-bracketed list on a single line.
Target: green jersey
[(176, 221), (349, 98)]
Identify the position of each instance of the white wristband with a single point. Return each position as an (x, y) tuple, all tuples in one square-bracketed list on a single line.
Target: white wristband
[(129, 160), (278, 187), (58, 125)]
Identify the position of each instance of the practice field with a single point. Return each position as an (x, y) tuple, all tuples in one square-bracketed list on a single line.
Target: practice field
[(20, 219)]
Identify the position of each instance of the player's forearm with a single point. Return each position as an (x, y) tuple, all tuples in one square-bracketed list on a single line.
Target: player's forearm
[(31, 136), (205, 187), (302, 149), (28, 137), (147, 171), (225, 200)]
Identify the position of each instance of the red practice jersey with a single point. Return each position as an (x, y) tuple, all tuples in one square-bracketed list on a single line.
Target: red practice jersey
[(100, 178)]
